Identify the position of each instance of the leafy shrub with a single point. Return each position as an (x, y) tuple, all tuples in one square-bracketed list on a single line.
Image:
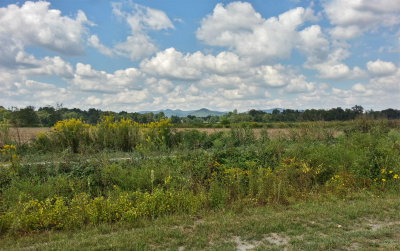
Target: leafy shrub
[(218, 195), (42, 143), (192, 139), (242, 135)]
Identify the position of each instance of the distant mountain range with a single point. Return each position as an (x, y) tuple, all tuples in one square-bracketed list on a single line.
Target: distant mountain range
[(203, 112)]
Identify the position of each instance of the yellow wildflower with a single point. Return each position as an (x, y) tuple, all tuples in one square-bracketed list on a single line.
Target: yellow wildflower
[(396, 176), (383, 180), (168, 179)]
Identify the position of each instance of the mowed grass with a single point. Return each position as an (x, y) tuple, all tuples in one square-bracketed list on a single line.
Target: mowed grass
[(362, 221)]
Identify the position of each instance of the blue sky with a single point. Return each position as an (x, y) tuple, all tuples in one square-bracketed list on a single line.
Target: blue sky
[(222, 55)]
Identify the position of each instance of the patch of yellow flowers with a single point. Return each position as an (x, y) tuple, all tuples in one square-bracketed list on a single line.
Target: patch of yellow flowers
[(9, 152), (70, 125), (387, 175), (110, 133), (8, 148)]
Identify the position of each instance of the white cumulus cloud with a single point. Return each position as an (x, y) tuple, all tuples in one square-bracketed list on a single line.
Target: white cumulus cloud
[(171, 63), (352, 18), (380, 67), (240, 28), (34, 23), (141, 19), (88, 79)]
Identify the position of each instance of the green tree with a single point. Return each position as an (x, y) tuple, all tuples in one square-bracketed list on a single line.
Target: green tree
[(48, 115), (25, 117)]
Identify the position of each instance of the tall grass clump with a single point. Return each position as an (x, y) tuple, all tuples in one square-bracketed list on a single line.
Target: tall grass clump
[(242, 134), (5, 137), (121, 135), (157, 135)]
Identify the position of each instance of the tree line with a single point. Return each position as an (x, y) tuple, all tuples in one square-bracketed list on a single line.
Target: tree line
[(49, 115)]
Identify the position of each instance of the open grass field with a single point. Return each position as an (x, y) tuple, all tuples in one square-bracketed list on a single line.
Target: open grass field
[(124, 185)]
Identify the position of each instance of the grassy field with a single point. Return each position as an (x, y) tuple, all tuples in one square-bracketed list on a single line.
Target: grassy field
[(363, 221), (124, 185), (25, 134)]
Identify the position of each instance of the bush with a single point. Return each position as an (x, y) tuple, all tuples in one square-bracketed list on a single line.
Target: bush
[(72, 133), (118, 135)]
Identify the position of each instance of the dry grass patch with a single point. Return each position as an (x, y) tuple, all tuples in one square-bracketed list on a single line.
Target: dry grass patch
[(25, 134)]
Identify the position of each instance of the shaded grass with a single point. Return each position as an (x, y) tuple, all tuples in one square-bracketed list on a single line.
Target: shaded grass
[(363, 221)]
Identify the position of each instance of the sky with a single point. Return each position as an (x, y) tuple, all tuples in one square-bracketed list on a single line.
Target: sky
[(222, 55)]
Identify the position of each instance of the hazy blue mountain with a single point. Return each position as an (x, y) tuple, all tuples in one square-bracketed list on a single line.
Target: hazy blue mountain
[(170, 112), (177, 112), (203, 112)]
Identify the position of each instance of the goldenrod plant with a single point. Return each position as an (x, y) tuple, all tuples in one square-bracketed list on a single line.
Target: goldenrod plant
[(72, 133)]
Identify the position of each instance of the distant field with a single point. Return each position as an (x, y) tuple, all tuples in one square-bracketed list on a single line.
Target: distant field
[(25, 134), (272, 132)]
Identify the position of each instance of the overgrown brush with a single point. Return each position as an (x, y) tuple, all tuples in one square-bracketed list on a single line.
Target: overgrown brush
[(62, 213), (122, 135), (5, 137), (188, 171), (72, 133)]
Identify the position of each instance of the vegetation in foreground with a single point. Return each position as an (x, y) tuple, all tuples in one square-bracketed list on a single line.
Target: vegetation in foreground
[(175, 176), (361, 221)]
